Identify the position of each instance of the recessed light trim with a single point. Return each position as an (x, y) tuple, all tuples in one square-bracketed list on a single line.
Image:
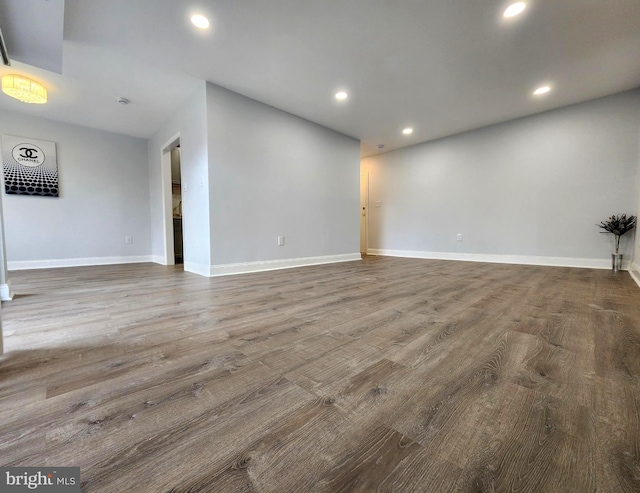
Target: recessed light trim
[(407, 131), (541, 90), (341, 96), (514, 9), (200, 21)]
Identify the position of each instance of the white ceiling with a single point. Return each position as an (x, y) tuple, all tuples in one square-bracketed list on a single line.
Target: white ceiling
[(440, 66), (19, 19)]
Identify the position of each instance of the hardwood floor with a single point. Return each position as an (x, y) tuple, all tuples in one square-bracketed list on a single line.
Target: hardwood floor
[(382, 375)]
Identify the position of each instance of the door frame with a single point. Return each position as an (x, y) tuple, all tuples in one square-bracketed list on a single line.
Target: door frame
[(167, 199), (364, 175)]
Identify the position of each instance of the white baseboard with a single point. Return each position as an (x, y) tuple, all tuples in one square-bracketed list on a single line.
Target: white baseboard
[(75, 262), (634, 272), (589, 263), (201, 269), (5, 293), (246, 267)]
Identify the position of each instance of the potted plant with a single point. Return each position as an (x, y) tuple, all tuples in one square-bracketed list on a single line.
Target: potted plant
[(617, 225)]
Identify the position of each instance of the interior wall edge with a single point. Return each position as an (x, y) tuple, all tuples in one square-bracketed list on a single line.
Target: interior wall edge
[(634, 272)]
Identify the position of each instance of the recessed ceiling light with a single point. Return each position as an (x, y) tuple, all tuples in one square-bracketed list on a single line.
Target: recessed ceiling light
[(341, 96), (542, 90), (200, 21), (407, 131), (514, 9)]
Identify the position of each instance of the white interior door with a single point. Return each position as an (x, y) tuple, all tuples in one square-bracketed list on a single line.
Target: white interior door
[(364, 211)]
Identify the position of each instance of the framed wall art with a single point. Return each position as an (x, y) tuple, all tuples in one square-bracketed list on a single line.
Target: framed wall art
[(30, 166)]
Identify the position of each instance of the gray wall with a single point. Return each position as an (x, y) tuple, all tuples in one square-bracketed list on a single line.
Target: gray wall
[(190, 122), (534, 186), (175, 166), (250, 173), (271, 174), (104, 196)]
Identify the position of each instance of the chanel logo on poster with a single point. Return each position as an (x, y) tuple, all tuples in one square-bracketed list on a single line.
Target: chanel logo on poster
[(28, 155)]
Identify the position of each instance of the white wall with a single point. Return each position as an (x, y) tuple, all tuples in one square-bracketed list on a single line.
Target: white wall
[(191, 124), (272, 174), (532, 188), (104, 196), (156, 190), (635, 268)]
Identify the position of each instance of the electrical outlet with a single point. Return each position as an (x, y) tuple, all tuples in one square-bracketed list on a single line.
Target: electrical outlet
[(280, 240), (128, 240), (459, 237)]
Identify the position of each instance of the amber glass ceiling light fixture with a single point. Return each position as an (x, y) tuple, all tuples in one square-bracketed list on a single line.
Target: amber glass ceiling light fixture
[(24, 89)]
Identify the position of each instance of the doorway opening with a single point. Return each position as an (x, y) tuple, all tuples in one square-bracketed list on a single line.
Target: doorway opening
[(176, 204), (172, 197)]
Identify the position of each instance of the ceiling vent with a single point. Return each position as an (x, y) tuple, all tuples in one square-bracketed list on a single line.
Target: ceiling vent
[(3, 51)]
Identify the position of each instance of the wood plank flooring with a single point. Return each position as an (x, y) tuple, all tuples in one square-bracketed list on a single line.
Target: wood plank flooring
[(391, 375)]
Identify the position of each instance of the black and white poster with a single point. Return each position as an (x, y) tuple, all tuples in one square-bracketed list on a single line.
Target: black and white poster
[(30, 166)]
